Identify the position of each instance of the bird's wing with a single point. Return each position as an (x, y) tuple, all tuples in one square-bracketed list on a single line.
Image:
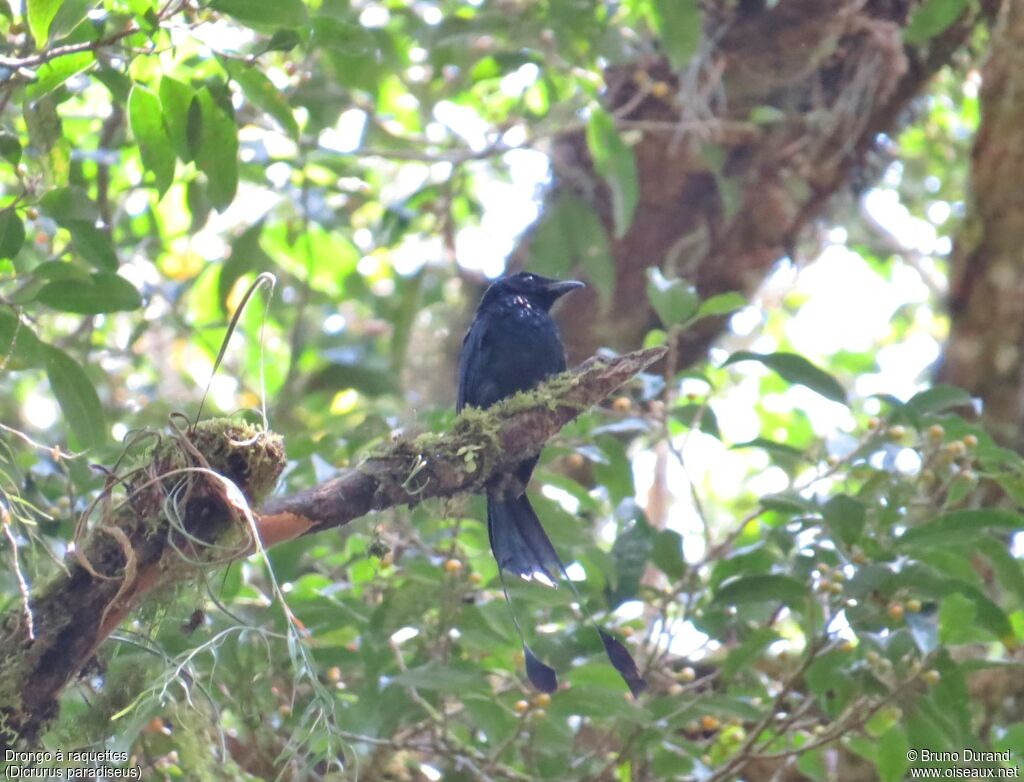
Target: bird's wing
[(470, 361)]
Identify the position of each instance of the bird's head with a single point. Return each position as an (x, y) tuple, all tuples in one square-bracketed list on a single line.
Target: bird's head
[(535, 290)]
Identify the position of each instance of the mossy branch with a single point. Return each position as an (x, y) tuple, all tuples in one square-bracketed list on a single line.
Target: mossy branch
[(188, 508)]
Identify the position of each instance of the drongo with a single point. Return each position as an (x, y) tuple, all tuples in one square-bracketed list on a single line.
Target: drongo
[(512, 345)]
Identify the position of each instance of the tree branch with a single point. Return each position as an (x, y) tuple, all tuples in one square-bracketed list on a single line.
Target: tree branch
[(189, 505)]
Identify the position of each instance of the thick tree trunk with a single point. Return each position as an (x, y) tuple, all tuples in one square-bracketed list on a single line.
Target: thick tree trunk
[(985, 352), (779, 110)]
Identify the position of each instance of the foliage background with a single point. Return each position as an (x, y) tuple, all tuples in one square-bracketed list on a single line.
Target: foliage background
[(810, 549)]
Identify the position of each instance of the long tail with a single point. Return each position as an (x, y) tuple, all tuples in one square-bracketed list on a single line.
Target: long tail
[(521, 546), (519, 542)]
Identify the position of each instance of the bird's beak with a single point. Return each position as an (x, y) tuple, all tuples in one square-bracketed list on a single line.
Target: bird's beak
[(559, 288)]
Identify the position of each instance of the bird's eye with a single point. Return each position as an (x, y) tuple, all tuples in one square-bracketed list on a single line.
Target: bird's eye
[(531, 278)]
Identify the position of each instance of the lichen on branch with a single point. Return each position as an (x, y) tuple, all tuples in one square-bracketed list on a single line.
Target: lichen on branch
[(188, 506)]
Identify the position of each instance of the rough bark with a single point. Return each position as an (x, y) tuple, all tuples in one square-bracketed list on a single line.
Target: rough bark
[(779, 110), (985, 351), (211, 475)]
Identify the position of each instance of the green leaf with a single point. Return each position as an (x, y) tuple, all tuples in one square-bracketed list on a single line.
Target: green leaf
[(675, 301), (797, 370), (845, 516), (265, 14), (722, 304), (759, 589), (46, 133), (937, 399), (444, 678), (93, 244), (616, 163), (176, 98), (700, 417), (71, 14), (956, 620), (57, 71), (145, 115), (68, 205), (667, 554), (260, 90), (572, 233), (931, 18), (76, 396), (956, 528), (10, 148), (892, 760), (213, 139), (12, 233), (679, 25), (1006, 566), (40, 15), (631, 552), (104, 292), (744, 655), (20, 348), (783, 450)]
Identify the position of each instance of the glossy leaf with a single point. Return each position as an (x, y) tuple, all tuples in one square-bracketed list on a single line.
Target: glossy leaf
[(54, 73), (797, 370), (40, 15), (103, 292), (145, 115), (259, 89), (19, 346), (94, 245), (616, 163), (845, 516), (12, 233), (76, 396), (931, 18), (263, 14), (760, 589), (175, 100), (722, 304), (675, 301), (213, 139), (678, 24)]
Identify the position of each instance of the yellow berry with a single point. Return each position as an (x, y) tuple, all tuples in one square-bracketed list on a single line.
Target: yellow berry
[(955, 449), (660, 89), (452, 566), (627, 631), (687, 674), (848, 646), (622, 404), (936, 432), (334, 674), (539, 714), (914, 606), (31, 213), (710, 723), (858, 557), (835, 588), (475, 579), (970, 441), (521, 707), (542, 700), (895, 612), (896, 433), (931, 677)]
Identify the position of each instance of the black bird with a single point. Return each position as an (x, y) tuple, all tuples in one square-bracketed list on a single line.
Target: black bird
[(512, 345)]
